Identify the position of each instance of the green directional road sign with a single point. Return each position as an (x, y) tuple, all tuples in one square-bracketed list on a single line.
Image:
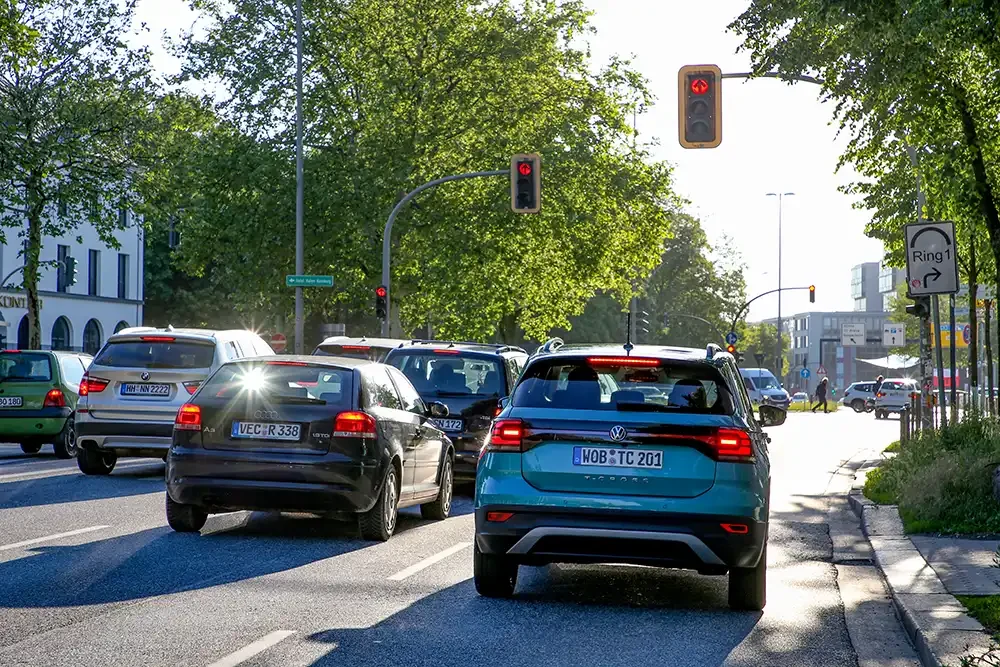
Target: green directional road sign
[(308, 281)]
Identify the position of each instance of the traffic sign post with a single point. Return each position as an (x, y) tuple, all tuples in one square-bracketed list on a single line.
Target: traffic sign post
[(931, 264), (731, 338), (804, 373), (308, 281), (893, 334), (852, 334)]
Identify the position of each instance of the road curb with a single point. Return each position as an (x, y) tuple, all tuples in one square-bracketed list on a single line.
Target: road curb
[(936, 622)]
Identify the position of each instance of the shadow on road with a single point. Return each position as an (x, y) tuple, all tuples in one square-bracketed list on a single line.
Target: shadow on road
[(77, 487)]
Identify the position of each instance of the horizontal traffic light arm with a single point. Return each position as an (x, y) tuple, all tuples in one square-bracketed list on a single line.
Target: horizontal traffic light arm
[(721, 336), (746, 306)]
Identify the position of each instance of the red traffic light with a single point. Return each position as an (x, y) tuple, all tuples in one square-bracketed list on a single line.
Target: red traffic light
[(731, 349), (699, 86), (380, 291), (524, 168)]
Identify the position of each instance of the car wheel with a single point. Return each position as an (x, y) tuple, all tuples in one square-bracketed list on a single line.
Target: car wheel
[(440, 508), (748, 585), (31, 447), (858, 405), (379, 522), (495, 576), (65, 444), (185, 518), (93, 461)]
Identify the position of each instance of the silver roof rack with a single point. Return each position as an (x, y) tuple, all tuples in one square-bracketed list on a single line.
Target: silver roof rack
[(551, 345), (712, 350)]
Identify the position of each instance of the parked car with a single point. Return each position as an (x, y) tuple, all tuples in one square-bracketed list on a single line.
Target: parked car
[(136, 383), (470, 378), (373, 349), (894, 396), (309, 434), (573, 475), (857, 393), (800, 398), (38, 398), (764, 388)]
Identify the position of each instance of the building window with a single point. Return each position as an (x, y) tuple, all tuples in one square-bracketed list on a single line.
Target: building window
[(61, 335), (22, 334), (94, 272), (62, 208), (121, 325), (92, 337), (122, 275), (123, 216), (62, 277)]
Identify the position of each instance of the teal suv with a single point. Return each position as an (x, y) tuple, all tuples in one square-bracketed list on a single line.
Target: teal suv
[(619, 454)]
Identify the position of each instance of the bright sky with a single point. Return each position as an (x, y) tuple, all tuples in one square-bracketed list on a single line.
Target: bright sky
[(776, 138)]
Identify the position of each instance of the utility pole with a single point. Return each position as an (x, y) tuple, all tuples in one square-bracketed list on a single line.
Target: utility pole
[(778, 355), (299, 186), (951, 354)]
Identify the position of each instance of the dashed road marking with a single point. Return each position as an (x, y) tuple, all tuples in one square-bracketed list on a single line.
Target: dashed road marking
[(250, 650), (427, 562), (49, 538)]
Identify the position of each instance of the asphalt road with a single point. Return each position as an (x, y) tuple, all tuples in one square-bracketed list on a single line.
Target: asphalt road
[(90, 574)]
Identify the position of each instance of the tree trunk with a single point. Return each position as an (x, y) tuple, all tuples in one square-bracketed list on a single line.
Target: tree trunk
[(991, 402), (31, 272), (973, 315)]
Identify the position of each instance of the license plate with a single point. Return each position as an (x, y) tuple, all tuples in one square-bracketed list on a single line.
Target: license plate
[(144, 389), (11, 401), (448, 424), (649, 459), (262, 431)]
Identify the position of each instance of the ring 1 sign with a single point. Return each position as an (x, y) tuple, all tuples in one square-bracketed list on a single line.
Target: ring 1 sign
[(931, 265)]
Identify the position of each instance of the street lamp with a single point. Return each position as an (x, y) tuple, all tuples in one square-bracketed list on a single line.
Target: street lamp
[(777, 359)]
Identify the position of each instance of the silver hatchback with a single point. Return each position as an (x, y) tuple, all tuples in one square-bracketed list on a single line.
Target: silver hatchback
[(137, 382)]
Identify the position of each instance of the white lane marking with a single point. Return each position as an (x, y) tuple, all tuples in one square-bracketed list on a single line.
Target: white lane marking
[(49, 538), (250, 650), (427, 562), (56, 472)]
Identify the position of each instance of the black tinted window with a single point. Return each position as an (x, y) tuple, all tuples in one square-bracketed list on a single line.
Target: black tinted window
[(156, 354), (381, 392), (441, 374), (25, 366), (577, 384), (283, 381), (411, 399)]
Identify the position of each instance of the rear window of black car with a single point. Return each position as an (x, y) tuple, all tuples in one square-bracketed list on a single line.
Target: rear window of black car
[(159, 353), (636, 385), (25, 367), (283, 381), (444, 373)]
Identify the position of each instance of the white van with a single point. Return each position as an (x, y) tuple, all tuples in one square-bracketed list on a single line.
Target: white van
[(763, 387)]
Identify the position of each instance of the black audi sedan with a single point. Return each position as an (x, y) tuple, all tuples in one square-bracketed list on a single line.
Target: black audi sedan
[(308, 434)]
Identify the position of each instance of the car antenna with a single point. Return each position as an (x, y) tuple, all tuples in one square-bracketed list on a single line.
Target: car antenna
[(628, 334)]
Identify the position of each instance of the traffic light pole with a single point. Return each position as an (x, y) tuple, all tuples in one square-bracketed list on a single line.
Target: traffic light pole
[(387, 233), (746, 306), (721, 336)]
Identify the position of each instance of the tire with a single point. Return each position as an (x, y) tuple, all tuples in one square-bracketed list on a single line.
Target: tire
[(858, 405), (440, 508), (95, 462), (65, 444), (185, 518), (31, 447), (748, 586), (379, 522), (495, 576)]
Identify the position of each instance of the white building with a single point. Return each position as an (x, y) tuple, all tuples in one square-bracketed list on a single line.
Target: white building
[(107, 296)]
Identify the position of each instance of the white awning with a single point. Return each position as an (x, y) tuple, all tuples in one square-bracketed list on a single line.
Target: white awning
[(893, 362)]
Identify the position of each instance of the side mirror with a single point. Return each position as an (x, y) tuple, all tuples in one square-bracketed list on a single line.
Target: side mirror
[(771, 415), (503, 402), (435, 409)]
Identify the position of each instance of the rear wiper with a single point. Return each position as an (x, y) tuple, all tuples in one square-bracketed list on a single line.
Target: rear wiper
[(301, 400)]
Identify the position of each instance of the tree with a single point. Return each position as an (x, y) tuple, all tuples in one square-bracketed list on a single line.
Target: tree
[(396, 94), (73, 102)]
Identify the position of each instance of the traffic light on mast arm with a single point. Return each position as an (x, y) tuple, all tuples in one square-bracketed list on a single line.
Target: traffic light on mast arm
[(380, 294), (71, 271), (699, 106), (921, 307), (812, 294), (526, 183)]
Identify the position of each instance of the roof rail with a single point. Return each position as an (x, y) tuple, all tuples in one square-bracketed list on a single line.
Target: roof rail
[(551, 345), (712, 350), (499, 347)]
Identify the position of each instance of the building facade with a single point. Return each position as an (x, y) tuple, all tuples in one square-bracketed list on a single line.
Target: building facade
[(865, 287), (889, 280), (107, 295)]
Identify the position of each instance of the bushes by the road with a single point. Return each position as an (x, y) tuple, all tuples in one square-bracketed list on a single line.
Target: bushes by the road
[(832, 406), (942, 480)]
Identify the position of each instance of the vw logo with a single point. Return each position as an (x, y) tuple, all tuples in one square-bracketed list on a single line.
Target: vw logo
[(144, 376), (618, 433), (265, 414)]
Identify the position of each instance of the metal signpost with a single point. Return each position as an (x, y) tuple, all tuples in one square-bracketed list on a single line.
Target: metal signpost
[(893, 334), (852, 334)]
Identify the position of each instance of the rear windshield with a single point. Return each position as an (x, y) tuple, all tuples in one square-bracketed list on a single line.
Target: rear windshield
[(441, 374), (582, 385), (156, 354), (762, 381), (283, 382), (25, 367), (351, 351)]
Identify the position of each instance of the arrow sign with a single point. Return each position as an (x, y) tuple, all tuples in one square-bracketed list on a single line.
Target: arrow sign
[(852, 334), (931, 266), (731, 338)]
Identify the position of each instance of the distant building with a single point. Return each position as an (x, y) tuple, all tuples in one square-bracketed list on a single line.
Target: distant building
[(889, 280), (865, 287)]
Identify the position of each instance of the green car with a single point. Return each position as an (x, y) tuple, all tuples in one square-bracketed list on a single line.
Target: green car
[(38, 394)]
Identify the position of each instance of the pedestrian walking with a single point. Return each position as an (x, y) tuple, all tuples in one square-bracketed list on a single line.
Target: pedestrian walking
[(878, 386), (821, 395)]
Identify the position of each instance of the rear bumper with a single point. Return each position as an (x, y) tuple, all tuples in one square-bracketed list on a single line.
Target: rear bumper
[(223, 481), (124, 438), (535, 536), (33, 423), (467, 448)]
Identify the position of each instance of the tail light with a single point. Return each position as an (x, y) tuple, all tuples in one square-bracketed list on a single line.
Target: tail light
[(881, 394), (735, 528), (498, 517), (733, 444), (640, 362), (506, 436), (54, 399), (188, 418), (91, 385), (191, 387), (353, 424)]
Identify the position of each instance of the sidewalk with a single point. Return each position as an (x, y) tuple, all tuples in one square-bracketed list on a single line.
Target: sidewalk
[(964, 566)]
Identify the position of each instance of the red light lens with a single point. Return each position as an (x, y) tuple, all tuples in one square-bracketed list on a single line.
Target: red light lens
[(287, 363), (641, 362), (699, 86), (499, 517), (356, 348), (733, 444), (735, 528), (524, 168), (91, 385), (353, 424), (54, 399), (158, 339), (380, 292), (188, 418), (507, 435), (445, 351), (191, 387)]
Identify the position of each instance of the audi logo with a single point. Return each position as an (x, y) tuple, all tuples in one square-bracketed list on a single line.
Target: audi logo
[(618, 433), (265, 414)]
